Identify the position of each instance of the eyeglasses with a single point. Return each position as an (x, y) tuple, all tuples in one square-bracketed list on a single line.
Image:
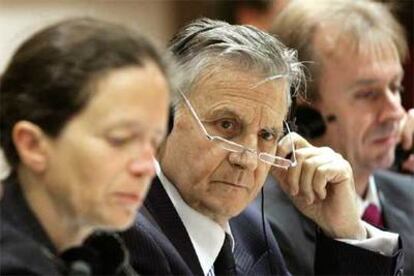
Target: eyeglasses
[(231, 146)]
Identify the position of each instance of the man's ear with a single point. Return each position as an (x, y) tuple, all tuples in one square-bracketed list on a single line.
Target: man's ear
[(170, 120), (30, 143)]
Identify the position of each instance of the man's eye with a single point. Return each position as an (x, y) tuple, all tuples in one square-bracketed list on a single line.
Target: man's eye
[(366, 95), (267, 136), (227, 128), (226, 124)]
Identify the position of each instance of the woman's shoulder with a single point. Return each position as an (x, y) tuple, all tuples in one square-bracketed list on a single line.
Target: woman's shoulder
[(21, 255)]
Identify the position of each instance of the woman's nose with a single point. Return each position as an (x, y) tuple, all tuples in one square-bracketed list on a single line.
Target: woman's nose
[(142, 162)]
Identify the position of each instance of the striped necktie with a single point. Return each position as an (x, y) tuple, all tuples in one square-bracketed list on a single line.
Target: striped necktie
[(225, 264)]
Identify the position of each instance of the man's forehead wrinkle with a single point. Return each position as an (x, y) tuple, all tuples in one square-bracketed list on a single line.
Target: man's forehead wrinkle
[(237, 101), (378, 73), (219, 75), (242, 91)]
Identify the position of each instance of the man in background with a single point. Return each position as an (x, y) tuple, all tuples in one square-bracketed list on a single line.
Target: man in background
[(353, 51)]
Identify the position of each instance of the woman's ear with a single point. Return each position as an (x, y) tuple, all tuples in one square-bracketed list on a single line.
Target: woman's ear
[(30, 143)]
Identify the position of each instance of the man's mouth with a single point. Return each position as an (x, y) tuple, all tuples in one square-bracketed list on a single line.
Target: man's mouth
[(389, 140), (232, 184)]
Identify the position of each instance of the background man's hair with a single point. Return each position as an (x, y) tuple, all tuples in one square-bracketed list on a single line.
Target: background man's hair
[(367, 25)]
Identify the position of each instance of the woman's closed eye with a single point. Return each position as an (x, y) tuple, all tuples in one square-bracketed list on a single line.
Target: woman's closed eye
[(118, 141)]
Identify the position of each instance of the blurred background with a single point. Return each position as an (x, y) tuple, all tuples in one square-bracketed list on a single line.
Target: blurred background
[(160, 19)]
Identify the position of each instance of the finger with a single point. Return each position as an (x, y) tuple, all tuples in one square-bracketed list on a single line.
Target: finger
[(407, 131), (329, 173), (408, 164), (306, 178), (285, 147), (309, 168), (294, 173), (336, 171)]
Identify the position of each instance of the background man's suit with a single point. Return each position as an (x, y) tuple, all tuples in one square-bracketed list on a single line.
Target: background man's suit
[(159, 244), (296, 234)]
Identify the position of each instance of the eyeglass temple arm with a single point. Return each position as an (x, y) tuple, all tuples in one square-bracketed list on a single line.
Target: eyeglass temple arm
[(293, 145), (194, 114)]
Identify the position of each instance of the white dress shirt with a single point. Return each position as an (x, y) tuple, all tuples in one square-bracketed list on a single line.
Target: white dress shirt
[(206, 235), (370, 197)]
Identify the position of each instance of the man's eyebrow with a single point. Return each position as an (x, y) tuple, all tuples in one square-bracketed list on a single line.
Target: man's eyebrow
[(224, 111), (363, 82), (368, 82)]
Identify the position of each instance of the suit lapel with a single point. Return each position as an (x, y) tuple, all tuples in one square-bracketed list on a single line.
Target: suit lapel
[(394, 217), (163, 212), (244, 260)]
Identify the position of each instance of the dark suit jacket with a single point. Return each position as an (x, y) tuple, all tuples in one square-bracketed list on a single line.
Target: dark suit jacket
[(25, 247), (159, 244), (296, 234)]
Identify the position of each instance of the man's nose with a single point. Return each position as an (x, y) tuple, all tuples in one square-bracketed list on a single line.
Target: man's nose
[(391, 108), (141, 162), (246, 159)]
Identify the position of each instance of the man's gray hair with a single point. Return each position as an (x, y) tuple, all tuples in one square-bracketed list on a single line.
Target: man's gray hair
[(204, 45)]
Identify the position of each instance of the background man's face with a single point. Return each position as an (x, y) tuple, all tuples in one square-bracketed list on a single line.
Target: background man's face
[(207, 176), (362, 91)]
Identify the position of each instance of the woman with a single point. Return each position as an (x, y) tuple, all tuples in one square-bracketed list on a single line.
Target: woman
[(84, 107)]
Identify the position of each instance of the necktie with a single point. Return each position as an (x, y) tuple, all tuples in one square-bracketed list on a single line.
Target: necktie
[(225, 264), (373, 216)]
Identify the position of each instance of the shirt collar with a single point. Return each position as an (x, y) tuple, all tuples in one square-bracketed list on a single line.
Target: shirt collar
[(206, 235), (370, 197)]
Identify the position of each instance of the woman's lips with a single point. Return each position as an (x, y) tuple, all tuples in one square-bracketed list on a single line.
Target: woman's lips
[(128, 198)]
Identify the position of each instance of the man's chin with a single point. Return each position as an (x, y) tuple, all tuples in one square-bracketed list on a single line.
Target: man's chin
[(384, 161)]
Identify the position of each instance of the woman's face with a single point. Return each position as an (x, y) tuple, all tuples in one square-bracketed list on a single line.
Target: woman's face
[(100, 167)]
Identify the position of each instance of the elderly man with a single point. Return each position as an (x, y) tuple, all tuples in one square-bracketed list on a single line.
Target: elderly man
[(354, 51), (228, 131)]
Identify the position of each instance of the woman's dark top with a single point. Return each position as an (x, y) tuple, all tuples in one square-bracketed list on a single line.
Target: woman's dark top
[(25, 248)]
